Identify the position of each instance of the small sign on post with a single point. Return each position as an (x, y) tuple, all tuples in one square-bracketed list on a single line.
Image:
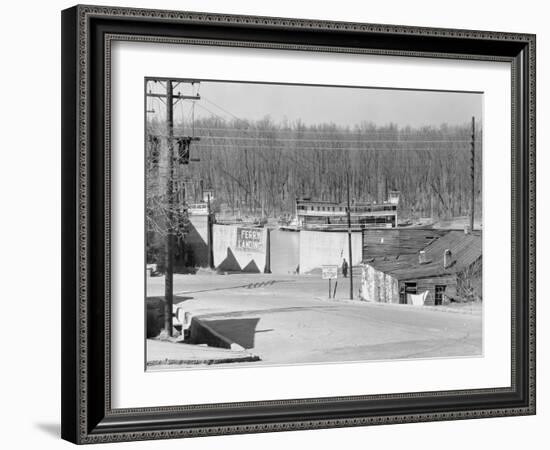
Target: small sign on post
[(330, 272)]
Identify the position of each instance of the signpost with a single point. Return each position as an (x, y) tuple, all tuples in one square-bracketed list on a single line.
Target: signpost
[(330, 272)]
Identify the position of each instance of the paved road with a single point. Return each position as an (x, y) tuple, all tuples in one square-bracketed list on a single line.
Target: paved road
[(289, 319)]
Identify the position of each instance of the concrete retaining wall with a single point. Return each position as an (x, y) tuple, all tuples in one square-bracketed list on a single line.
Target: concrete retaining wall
[(285, 251), (196, 241), (318, 248), (229, 256)]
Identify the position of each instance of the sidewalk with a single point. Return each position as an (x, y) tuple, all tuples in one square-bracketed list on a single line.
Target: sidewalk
[(475, 309), (165, 353)]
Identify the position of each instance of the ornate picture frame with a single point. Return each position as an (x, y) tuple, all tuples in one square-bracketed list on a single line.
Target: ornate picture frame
[(88, 33)]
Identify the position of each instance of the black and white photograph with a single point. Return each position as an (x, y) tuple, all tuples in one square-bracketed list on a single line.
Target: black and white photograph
[(275, 225), (299, 224)]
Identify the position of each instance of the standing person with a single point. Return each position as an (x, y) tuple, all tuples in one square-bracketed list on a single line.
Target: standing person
[(345, 268)]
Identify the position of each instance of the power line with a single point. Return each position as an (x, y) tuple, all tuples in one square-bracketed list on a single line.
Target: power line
[(398, 133), (244, 131), (255, 138), (223, 109), (377, 141), (255, 147)]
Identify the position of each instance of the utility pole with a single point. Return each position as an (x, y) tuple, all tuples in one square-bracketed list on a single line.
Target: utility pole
[(209, 235), (472, 169), (349, 245), (169, 276), (184, 143)]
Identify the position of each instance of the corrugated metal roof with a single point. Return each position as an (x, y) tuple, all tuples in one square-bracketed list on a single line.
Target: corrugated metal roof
[(397, 241), (465, 249)]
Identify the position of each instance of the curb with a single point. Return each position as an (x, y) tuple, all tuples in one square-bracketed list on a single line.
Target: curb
[(212, 361), (399, 305)]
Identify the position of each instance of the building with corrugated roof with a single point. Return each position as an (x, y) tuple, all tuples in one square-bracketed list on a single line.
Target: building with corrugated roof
[(447, 269)]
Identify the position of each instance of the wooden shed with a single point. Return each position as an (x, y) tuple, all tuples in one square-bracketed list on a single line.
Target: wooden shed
[(448, 268)]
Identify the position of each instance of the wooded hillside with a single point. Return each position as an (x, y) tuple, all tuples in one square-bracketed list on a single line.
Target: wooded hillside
[(259, 168)]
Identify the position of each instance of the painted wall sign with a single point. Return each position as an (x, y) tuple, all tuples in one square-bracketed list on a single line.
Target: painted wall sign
[(250, 239)]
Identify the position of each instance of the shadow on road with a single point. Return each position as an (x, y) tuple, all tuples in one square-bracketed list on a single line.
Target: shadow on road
[(268, 311), (239, 331), (240, 286)]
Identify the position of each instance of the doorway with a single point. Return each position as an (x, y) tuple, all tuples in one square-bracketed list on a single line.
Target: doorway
[(407, 288), (439, 291)]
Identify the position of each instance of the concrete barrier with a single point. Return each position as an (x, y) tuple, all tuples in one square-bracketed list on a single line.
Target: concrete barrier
[(196, 241), (318, 248), (284, 251), (239, 248)]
